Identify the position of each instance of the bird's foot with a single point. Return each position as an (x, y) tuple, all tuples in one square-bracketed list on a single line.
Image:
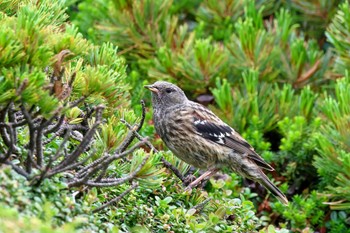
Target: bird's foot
[(189, 179), (200, 184), (188, 189), (206, 175)]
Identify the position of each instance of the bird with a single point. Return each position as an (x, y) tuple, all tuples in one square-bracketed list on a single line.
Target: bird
[(200, 138)]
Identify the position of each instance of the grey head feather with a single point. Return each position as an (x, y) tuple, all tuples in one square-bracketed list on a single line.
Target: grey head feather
[(165, 95)]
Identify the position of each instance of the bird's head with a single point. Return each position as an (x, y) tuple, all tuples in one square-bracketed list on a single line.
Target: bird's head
[(165, 94)]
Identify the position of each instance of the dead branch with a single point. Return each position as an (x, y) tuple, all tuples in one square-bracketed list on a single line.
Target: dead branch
[(308, 74)]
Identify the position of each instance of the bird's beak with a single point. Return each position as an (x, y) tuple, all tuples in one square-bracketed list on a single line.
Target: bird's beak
[(152, 88)]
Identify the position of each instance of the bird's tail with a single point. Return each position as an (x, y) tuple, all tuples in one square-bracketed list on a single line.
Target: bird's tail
[(264, 180)]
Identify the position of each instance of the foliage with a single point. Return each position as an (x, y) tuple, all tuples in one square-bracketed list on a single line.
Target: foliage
[(54, 85), (303, 212), (333, 163), (276, 71), (26, 207), (338, 34), (182, 212), (339, 222), (12, 222), (299, 171), (314, 16)]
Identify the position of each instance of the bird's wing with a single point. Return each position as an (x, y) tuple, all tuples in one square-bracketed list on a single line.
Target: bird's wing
[(212, 128)]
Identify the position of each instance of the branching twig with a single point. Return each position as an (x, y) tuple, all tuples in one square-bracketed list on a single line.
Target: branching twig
[(12, 120), (11, 136), (91, 169), (3, 133), (46, 123), (85, 142), (173, 169), (31, 146), (39, 145), (39, 135), (82, 172), (134, 129), (55, 127), (118, 181), (91, 174), (18, 169), (53, 158), (117, 199), (71, 166), (77, 102)]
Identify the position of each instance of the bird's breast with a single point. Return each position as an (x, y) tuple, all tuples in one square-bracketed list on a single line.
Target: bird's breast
[(177, 130)]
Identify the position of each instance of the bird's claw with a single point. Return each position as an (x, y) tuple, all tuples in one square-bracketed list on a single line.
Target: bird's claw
[(189, 179), (188, 189)]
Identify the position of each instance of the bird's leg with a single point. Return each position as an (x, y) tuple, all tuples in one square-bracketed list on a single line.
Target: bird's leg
[(189, 177), (206, 174)]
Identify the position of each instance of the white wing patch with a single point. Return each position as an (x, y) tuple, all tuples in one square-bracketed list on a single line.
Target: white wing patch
[(212, 131), (199, 121), (219, 137)]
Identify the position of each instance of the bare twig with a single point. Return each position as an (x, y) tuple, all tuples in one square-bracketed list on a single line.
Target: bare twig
[(173, 169), (82, 172), (60, 131), (11, 136), (31, 146), (77, 135), (102, 173), (45, 123), (53, 158), (134, 129), (39, 145), (71, 166), (4, 135), (18, 169), (85, 142), (201, 205), (22, 87), (77, 102), (118, 181), (12, 120), (55, 127), (19, 123), (117, 199), (99, 164), (129, 138)]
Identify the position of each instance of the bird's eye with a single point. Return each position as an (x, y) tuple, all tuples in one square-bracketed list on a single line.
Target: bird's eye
[(169, 90)]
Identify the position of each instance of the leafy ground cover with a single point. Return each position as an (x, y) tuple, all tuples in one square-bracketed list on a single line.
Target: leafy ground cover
[(78, 151)]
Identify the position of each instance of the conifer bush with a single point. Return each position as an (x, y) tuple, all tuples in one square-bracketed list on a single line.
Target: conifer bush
[(78, 151)]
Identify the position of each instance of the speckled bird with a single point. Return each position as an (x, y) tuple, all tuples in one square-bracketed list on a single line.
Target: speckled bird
[(200, 138)]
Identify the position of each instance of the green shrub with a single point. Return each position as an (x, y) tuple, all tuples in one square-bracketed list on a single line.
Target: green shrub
[(267, 68)]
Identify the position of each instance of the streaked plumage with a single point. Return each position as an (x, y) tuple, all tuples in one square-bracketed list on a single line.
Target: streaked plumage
[(198, 137)]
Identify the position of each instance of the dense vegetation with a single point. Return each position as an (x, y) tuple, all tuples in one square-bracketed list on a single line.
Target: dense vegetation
[(78, 152)]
